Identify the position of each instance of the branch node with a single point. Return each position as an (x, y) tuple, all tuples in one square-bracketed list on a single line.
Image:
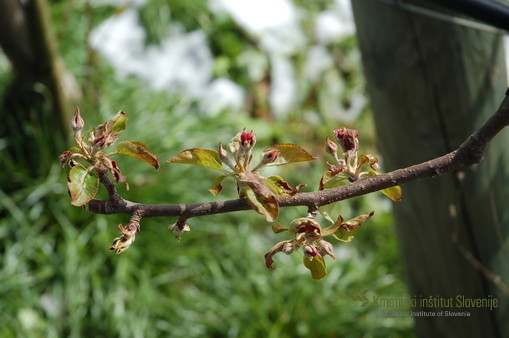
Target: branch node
[(312, 211)]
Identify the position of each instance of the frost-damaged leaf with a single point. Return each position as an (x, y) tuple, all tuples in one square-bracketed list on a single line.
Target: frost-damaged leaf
[(114, 169), (281, 187), (216, 187), (316, 266), (329, 180), (284, 246), (394, 193), (203, 157), (277, 228), (82, 185), (139, 151), (349, 229), (290, 153), (264, 204)]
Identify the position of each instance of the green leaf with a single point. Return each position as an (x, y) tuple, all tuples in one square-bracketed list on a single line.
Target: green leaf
[(203, 157), (326, 211), (216, 187), (266, 205), (277, 228), (137, 150), (329, 180), (290, 153), (281, 187), (316, 266), (349, 229), (118, 122), (82, 185), (394, 193)]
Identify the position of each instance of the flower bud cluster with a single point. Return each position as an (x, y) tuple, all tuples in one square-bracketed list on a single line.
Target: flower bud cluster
[(307, 233), (350, 163), (241, 147)]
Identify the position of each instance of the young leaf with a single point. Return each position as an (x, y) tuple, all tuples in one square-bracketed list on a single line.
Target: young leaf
[(82, 185), (277, 228), (216, 187), (263, 204), (281, 187), (118, 122), (329, 181), (367, 160), (394, 193), (316, 266), (290, 153), (137, 150), (349, 229), (326, 211), (203, 157)]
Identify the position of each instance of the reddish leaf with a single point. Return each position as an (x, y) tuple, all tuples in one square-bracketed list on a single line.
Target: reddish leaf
[(216, 187), (284, 246), (349, 229)]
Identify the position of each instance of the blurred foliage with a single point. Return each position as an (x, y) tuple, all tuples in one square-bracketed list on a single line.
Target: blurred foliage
[(58, 279)]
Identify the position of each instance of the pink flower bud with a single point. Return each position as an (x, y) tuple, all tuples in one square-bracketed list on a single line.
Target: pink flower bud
[(77, 121), (331, 147), (326, 249), (310, 252), (223, 155), (288, 248), (269, 156)]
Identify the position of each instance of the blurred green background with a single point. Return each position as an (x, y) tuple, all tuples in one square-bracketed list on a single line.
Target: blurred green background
[(57, 277)]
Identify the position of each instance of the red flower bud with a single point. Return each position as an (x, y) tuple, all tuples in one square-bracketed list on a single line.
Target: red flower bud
[(247, 138), (347, 138)]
